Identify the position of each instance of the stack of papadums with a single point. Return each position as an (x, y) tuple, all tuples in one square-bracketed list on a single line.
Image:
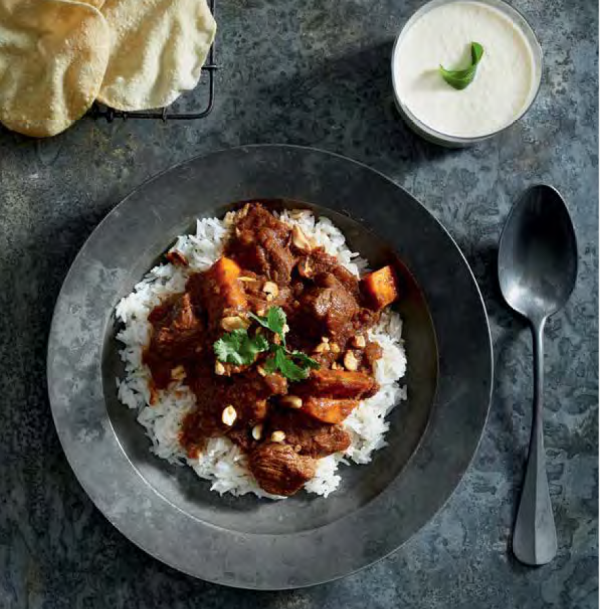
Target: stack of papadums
[(58, 56)]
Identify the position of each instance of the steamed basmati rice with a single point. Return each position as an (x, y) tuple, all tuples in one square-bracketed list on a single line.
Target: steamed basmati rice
[(222, 462)]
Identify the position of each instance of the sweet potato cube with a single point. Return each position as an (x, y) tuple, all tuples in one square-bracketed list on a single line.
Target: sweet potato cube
[(328, 410), (380, 288), (225, 273), (226, 270)]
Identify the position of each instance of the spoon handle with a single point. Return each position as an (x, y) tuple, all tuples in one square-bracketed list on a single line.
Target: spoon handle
[(534, 535)]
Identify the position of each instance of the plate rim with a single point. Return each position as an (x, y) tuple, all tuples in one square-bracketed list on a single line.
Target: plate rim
[(110, 216)]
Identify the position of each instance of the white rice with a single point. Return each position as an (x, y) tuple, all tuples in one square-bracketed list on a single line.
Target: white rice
[(222, 462)]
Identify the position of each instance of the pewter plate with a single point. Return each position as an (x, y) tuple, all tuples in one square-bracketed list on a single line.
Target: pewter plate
[(256, 543)]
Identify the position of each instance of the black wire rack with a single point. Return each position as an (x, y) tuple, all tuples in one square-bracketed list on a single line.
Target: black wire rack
[(167, 113)]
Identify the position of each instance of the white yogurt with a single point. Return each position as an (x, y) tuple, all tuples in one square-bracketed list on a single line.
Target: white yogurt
[(507, 76)]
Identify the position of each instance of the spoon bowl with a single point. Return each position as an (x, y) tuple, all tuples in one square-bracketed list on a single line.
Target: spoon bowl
[(537, 259), (537, 268)]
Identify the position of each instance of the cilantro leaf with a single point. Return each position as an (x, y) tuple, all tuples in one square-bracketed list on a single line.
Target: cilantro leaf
[(287, 367), (227, 347), (275, 320), (239, 348), (251, 346), (292, 371), (305, 360), (282, 360), (270, 365), (261, 320), (461, 79)]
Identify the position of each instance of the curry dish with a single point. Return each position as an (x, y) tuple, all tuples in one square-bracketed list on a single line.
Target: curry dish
[(273, 341)]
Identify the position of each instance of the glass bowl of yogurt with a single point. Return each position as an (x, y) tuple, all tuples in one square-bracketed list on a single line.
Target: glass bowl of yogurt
[(501, 87)]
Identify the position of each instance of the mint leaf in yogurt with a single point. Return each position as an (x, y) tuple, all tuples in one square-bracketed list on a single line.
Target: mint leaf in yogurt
[(461, 79)]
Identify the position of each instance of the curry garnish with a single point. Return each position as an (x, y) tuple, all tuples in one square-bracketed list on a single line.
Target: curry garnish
[(239, 348)]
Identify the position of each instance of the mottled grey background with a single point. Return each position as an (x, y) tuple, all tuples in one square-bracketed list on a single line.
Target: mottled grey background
[(317, 73)]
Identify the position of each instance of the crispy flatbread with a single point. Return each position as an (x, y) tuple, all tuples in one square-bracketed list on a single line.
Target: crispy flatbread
[(95, 3), (53, 55), (157, 50)]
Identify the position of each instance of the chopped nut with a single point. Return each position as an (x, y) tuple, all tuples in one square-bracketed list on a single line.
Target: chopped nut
[(335, 347), (350, 361), (304, 268), (261, 371), (177, 258), (324, 339), (257, 431), (271, 290), (291, 401), (219, 368), (359, 341), (245, 279), (229, 218), (285, 329), (277, 436), (178, 373), (300, 240), (322, 348), (229, 324), (298, 214), (229, 416)]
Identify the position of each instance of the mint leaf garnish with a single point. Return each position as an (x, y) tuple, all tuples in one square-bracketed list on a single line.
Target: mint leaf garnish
[(461, 79)]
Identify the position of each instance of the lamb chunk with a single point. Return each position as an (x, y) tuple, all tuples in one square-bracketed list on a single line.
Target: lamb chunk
[(279, 469), (277, 383), (177, 335), (327, 308), (248, 394), (339, 384), (309, 436), (317, 263), (262, 244)]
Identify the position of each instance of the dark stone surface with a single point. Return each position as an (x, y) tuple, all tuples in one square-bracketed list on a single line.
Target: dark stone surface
[(318, 74)]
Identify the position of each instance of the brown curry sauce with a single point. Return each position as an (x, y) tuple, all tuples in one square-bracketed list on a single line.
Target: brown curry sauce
[(282, 426)]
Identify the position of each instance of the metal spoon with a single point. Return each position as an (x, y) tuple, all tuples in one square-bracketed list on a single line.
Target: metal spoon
[(537, 267)]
